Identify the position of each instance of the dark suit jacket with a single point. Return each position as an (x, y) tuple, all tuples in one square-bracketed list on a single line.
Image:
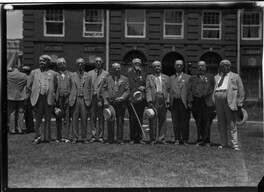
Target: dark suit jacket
[(183, 85), (59, 78), (16, 82), (33, 86), (207, 91), (151, 88), (109, 92), (73, 93), (92, 81)]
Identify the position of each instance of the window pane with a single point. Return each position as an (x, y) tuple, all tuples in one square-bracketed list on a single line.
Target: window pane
[(135, 29), (93, 16), (173, 30), (135, 15), (173, 17), (210, 34), (54, 28), (251, 32), (93, 27)]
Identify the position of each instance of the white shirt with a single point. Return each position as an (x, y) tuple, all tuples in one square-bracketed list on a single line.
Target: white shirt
[(224, 85), (156, 78), (179, 75)]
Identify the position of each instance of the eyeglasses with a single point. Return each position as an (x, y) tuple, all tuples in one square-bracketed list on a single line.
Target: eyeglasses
[(98, 61), (80, 63)]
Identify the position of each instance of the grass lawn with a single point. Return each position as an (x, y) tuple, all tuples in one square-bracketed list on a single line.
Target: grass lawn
[(66, 165)]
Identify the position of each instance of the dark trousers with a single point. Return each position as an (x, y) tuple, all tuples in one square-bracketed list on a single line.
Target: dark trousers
[(29, 117), (63, 122), (203, 118), (79, 110), (97, 112), (42, 108), (156, 125), (120, 113), (180, 120), (135, 129), (16, 116)]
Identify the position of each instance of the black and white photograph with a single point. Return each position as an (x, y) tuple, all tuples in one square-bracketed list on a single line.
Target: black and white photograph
[(132, 95)]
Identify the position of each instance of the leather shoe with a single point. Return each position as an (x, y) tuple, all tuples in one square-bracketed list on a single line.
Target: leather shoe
[(132, 142), (142, 142), (177, 142)]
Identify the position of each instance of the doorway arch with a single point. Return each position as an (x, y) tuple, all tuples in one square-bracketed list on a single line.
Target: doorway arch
[(168, 62), (212, 59)]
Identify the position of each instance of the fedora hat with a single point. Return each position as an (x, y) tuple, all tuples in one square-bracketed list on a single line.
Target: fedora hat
[(151, 113), (109, 113), (136, 95), (242, 116)]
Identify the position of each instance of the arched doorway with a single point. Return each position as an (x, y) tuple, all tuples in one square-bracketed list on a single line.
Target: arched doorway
[(168, 62), (212, 59), (129, 56)]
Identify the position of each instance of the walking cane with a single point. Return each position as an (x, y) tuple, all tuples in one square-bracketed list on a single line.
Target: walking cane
[(138, 121)]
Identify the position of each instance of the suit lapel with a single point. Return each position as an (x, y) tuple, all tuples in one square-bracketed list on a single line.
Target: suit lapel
[(229, 80), (154, 80)]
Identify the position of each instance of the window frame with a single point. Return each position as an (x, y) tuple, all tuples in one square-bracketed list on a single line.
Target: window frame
[(144, 26), (182, 25), (260, 26), (102, 28), (219, 28), (45, 26)]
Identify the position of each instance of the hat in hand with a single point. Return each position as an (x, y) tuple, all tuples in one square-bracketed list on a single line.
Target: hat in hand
[(151, 113), (136, 95), (57, 112), (109, 113), (242, 116)]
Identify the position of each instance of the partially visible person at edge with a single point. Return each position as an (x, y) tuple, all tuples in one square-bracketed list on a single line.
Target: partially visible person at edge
[(16, 82), (63, 87), (229, 95), (157, 95), (28, 109), (200, 101), (115, 93), (180, 112), (137, 80), (95, 83), (40, 87), (79, 101)]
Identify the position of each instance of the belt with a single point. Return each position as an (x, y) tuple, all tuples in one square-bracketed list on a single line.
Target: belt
[(222, 90), (80, 96)]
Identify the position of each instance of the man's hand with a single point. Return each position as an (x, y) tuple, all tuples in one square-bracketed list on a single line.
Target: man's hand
[(106, 104), (150, 104), (190, 105), (119, 99), (99, 103), (141, 88)]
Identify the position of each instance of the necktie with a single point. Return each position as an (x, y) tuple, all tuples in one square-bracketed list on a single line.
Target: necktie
[(221, 80), (159, 89)]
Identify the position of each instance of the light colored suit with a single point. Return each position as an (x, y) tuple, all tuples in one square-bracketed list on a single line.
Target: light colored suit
[(95, 84), (43, 104), (226, 102), (157, 127)]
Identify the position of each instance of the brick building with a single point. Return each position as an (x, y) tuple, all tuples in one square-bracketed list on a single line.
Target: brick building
[(164, 33)]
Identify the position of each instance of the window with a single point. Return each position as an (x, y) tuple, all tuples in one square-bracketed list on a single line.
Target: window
[(251, 25), (135, 23), (54, 23), (211, 25), (93, 23), (173, 24)]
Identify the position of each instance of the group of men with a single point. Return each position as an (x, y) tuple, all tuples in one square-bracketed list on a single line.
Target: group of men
[(79, 95)]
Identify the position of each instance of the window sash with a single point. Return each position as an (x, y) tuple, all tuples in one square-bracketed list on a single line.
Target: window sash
[(173, 29), (54, 23), (95, 21), (251, 26), (211, 25), (133, 28)]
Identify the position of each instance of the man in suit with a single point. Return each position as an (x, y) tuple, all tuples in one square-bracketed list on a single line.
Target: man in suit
[(229, 95), (180, 113), (157, 95), (201, 88), (28, 109), (16, 82), (115, 93), (137, 80), (63, 87), (96, 78), (79, 101), (40, 86)]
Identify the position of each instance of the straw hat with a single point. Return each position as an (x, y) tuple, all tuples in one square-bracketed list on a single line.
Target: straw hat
[(109, 113), (136, 95), (242, 117)]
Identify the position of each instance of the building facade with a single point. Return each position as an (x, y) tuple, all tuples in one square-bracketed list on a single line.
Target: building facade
[(165, 34)]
